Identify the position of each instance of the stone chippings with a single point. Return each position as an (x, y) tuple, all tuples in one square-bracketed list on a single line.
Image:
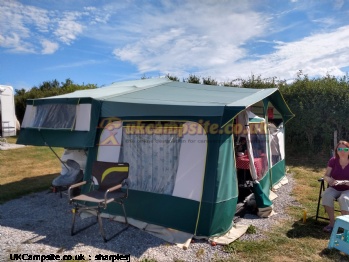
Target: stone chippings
[(39, 224)]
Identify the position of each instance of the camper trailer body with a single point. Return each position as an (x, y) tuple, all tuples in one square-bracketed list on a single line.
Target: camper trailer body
[(7, 112), (178, 139)]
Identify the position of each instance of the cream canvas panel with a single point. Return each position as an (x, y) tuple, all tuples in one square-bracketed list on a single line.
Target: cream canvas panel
[(281, 138), (234, 233), (192, 159), (83, 117), (29, 115), (110, 142)]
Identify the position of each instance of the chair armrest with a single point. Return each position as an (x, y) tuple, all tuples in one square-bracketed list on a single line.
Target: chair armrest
[(77, 184), (106, 201), (322, 183), (114, 188), (74, 186), (111, 189)]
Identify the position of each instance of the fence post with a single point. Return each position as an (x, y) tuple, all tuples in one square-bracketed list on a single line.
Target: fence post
[(335, 138)]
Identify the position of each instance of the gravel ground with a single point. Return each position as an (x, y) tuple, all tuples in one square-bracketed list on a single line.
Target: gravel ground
[(39, 224)]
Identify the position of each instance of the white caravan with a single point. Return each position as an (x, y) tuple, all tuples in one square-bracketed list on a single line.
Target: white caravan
[(8, 118)]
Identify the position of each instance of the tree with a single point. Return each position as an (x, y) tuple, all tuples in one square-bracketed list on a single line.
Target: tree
[(209, 81), (192, 79), (173, 78)]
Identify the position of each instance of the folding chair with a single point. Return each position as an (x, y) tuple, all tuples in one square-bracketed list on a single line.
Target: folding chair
[(108, 185), (322, 188)]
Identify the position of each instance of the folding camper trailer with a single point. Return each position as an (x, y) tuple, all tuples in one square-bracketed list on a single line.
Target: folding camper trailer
[(8, 118), (179, 140)]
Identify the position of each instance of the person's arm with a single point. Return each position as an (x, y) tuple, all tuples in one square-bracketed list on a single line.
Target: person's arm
[(344, 182), (328, 178)]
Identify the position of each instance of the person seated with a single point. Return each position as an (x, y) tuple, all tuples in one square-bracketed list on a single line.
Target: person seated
[(337, 177)]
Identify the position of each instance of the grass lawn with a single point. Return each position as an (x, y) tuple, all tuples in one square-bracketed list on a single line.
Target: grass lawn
[(32, 169), (26, 170)]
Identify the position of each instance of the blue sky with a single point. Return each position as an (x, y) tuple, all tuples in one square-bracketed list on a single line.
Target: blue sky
[(100, 42)]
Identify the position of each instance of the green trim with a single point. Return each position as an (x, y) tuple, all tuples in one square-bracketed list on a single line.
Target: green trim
[(68, 101), (265, 182), (202, 190), (139, 110), (280, 104), (222, 220), (56, 138), (261, 195), (164, 210), (53, 100), (278, 171), (261, 191), (227, 184)]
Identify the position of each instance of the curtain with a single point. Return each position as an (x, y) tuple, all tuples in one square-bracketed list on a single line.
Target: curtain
[(153, 160)]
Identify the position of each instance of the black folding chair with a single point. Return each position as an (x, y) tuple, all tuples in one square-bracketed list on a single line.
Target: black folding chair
[(322, 189), (111, 188)]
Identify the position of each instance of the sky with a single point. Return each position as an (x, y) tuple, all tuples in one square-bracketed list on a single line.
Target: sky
[(104, 41)]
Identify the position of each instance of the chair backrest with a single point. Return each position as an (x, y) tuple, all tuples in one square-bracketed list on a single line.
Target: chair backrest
[(109, 174)]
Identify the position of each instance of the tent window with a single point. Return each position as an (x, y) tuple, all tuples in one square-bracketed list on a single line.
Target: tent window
[(276, 135), (275, 139), (153, 156), (259, 145), (258, 139), (55, 116)]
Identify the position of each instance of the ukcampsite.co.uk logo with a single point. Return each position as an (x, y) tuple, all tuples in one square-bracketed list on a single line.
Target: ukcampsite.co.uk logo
[(115, 125)]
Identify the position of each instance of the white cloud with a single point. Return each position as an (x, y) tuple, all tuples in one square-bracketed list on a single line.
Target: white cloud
[(22, 27), (48, 47), (68, 27), (210, 42), (15, 33), (13, 42), (191, 36), (315, 55), (208, 38)]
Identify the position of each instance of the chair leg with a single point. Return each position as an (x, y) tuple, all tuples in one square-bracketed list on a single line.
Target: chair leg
[(322, 188), (123, 208), (72, 232), (99, 221), (101, 229)]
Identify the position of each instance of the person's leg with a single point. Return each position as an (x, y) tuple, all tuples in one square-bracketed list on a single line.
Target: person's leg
[(343, 201), (328, 198), (330, 213)]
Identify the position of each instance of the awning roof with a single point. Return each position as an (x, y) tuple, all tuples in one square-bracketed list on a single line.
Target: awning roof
[(153, 93), (164, 91)]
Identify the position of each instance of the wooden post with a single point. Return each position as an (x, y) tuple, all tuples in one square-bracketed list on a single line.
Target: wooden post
[(335, 138)]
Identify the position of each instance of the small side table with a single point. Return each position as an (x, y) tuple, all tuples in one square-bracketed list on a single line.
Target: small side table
[(340, 241)]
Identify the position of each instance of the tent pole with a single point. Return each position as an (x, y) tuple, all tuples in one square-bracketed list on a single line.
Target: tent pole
[(60, 160), (57, 155)]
